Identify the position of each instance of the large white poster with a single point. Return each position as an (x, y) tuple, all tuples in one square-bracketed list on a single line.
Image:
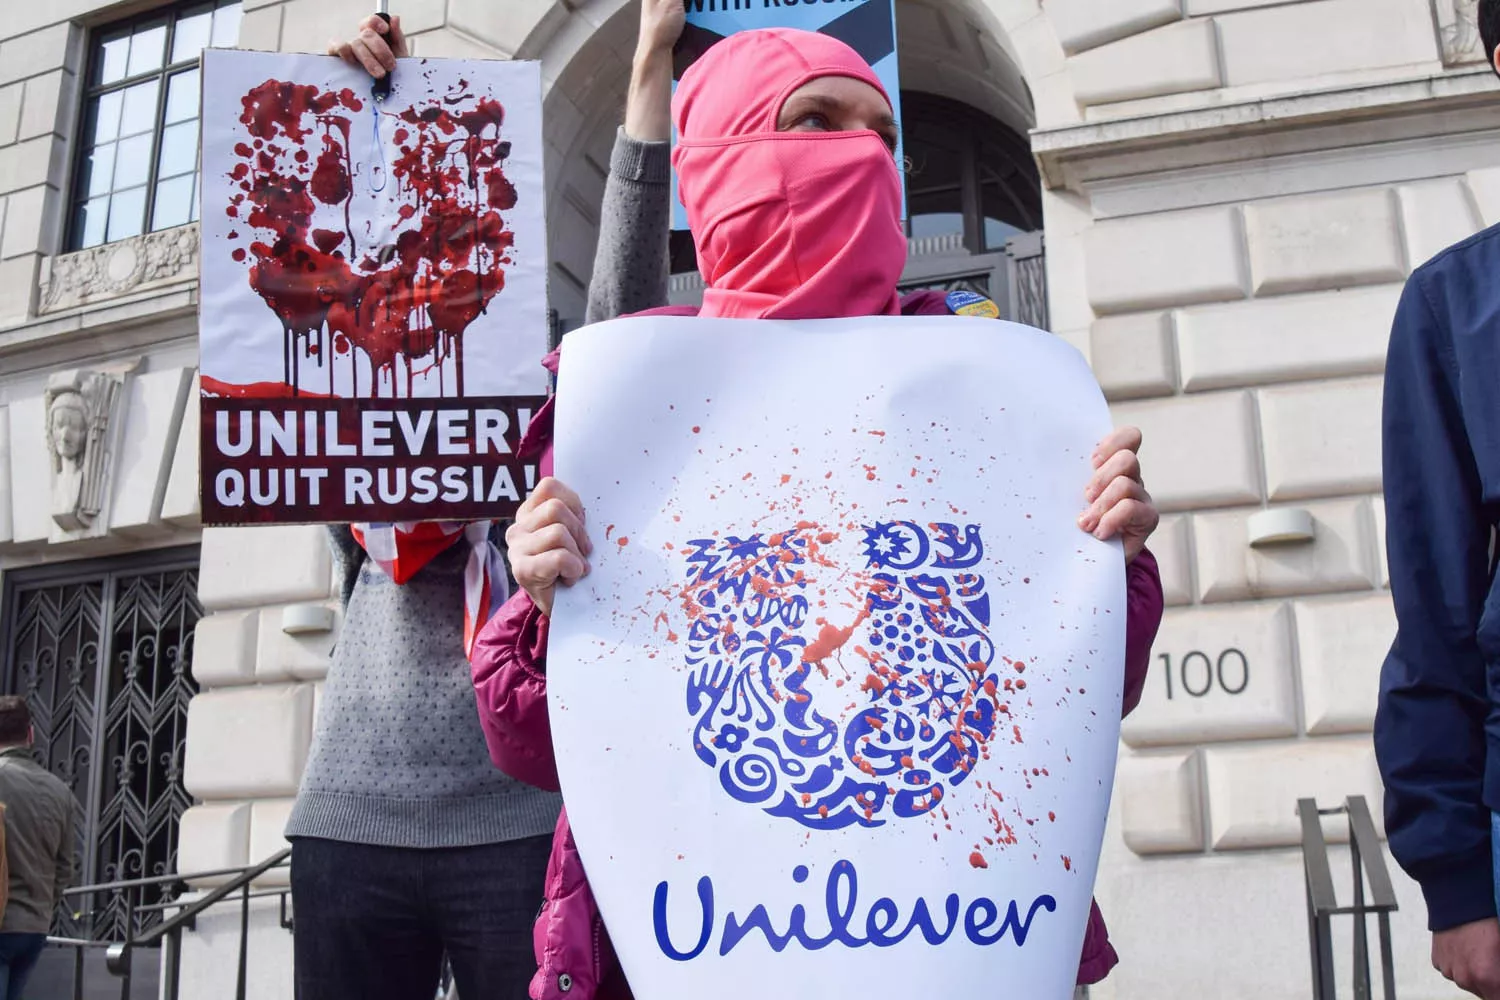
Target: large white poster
[(836, 710), (373, 287)]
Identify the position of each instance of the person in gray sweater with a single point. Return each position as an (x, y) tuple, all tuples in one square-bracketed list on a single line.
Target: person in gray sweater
[(407, 844)]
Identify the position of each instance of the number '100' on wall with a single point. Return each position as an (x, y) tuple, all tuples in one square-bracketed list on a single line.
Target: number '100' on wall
[(1197, 674)]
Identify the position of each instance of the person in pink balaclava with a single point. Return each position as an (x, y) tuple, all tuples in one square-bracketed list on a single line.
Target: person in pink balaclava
[(785, 164)]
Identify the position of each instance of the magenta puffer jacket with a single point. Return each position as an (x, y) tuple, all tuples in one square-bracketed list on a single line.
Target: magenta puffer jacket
[(574, 958)]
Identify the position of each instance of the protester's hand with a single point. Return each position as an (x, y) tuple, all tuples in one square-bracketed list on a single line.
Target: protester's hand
[(662, 22), (548, 544), (375, 46), (1469, 956), (1119, 506), (648, 102)]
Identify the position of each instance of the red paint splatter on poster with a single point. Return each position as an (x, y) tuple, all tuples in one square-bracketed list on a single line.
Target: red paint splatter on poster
[(210, 386), (400, 299), (1009, 799)]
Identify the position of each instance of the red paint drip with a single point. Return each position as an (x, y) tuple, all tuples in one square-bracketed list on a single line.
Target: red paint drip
[(407, 304), (211, 386)]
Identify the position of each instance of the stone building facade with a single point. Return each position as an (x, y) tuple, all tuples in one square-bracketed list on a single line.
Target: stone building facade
[(1230, 193)]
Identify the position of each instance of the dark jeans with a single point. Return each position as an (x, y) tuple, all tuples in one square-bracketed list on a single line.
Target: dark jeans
[(373, 923), (18, 955)]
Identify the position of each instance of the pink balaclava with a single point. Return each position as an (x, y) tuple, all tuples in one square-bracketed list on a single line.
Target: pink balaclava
[(788, 225)]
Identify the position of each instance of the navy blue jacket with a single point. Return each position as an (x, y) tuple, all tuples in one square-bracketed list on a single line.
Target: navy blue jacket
[(1437, 731)]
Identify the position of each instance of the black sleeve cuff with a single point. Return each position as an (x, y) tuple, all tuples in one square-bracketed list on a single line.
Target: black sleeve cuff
[(1459, 890)]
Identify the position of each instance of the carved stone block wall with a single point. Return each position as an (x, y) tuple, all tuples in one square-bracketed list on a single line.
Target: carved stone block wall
[(90, 455)]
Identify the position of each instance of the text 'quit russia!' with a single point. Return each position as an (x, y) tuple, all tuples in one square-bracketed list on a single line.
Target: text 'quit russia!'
[(337, 453)]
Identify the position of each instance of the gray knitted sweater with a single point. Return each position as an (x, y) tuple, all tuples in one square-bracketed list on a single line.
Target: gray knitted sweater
[(398, 758)]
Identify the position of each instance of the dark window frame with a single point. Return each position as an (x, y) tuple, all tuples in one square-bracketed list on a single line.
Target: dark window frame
[(992, 155), (168, 15)]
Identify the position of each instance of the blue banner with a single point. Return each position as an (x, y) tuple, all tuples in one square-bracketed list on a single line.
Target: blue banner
[(867, 26)]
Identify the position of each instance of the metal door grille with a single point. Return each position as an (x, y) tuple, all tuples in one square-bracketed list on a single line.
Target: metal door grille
[(103, 652)]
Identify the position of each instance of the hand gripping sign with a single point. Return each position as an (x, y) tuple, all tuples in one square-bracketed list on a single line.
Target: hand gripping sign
[(837, 708)]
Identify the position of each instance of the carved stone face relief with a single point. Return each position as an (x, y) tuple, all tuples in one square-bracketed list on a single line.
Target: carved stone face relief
[(80, 410), (68, 426)]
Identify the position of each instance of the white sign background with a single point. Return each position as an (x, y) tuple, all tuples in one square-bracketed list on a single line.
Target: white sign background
[(677, 429), (241, 337)]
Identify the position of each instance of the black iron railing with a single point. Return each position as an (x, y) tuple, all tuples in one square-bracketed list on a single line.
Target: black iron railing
[(164, 936), (1322, 903), (1015, 276), (157, 927), (1026, 280)]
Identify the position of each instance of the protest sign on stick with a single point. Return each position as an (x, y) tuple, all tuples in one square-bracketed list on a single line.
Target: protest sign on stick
[(373, 289), (836, 710)]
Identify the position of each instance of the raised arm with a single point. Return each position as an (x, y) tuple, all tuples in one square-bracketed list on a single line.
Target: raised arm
[(630, 261)]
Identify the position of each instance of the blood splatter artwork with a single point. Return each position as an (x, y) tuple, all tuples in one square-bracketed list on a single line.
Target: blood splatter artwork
[(839, 698), (366, 255)]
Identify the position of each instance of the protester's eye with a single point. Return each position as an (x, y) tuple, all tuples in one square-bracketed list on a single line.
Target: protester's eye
[(890, 137), (813, 122)]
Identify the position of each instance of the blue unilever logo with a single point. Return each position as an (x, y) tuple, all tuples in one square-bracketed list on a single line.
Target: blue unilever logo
[(910, 702)]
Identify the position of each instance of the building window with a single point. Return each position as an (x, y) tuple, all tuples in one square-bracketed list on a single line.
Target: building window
[(103, 654), (968, 175), (138, 149)]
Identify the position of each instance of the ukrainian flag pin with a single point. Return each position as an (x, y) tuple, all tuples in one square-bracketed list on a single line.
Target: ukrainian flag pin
[(972, 304)]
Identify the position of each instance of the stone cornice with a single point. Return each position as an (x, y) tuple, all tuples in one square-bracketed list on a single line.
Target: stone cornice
[(1457, 101), (126, 326)]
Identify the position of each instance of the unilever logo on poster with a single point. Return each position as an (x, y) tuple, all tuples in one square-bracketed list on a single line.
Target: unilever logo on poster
[(830, 754), (803, 742)]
